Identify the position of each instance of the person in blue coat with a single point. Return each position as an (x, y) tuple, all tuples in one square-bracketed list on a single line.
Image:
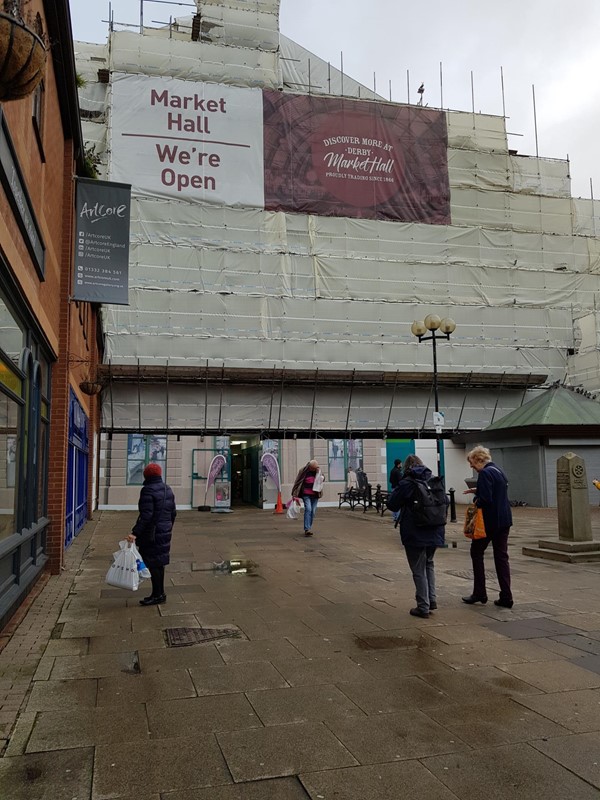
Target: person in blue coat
[(153, 529), (491, 496), (420, 542)]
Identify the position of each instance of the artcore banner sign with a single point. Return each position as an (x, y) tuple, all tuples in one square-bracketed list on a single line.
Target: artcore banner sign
[(266, 149), (102, 211)]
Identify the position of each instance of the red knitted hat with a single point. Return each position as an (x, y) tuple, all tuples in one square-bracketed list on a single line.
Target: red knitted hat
[(152, 470)]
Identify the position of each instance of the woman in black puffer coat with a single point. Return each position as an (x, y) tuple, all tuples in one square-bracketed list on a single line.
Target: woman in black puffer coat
[(152, 531)]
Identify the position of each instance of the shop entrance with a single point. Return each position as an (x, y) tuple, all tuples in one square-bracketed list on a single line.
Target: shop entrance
[(246, 484)]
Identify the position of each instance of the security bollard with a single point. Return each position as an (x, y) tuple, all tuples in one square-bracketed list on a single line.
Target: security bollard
[(452, 492)]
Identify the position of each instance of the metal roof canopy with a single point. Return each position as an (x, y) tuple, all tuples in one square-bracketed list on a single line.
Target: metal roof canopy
[(559, 411)]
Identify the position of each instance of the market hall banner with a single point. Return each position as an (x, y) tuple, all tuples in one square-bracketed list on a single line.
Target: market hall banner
[(102, 212), (188, 140), (252, 148), (352, 158)]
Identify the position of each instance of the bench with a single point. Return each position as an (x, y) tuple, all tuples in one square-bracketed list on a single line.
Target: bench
[(357, 495)]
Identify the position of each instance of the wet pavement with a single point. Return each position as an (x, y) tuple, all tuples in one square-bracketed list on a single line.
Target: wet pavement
[(289, 667)]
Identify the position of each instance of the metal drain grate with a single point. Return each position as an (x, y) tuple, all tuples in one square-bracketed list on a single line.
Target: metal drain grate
[(184, 637)]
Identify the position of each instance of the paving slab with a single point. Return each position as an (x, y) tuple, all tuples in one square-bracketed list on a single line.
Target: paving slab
[(387, 665), (494, 722), (579, 641), (243, 677), (282, 750), (517, 771), (384, 698), (492, 654), (143, 688), (234, 651), (578, 711), (86, 727), (58, 695), (315, 703), (177, 658), (408, 780), (395, 736), (579, 754), (159, 766), (277, 789), (60, 775), (554, 676), (313, 671), (96, 666), (202, 715)]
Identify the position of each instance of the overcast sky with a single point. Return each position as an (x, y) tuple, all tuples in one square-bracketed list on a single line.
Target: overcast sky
[(552, 44)]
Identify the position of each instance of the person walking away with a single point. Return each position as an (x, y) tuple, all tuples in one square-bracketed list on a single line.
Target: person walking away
[(153, 529), (307, 486), (395, 477), (491, 496), (420, 541)]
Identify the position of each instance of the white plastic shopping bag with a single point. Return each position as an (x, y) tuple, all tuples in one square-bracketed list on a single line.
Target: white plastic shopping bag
[(142, 569), (293, 509), (319, 481), (123, 572)]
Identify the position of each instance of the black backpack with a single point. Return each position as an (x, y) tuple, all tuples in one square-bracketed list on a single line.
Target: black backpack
[(428, 506)]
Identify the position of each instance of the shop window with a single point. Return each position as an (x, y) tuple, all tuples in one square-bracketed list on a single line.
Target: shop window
[(344, 454), (9, 465), (141, 450), (12, 337)]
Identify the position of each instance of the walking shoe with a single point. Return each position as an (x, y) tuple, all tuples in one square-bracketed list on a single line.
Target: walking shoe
[(433, 606), (504, 603), (416, 612), (472, 599), (308, 533), (154, 601)]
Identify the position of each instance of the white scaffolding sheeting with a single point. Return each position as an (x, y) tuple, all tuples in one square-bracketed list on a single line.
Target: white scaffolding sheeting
[(249, 288), (305, 72), (193, 61)]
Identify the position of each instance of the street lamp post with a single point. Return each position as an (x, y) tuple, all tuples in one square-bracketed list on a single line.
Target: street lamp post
[(439, 329)]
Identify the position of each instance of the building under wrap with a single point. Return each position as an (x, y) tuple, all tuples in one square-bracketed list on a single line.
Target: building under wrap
[(287, 227)]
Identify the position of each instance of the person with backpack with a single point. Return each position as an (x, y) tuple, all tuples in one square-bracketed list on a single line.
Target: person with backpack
[(395, 478), (491, 496), (421, 500)]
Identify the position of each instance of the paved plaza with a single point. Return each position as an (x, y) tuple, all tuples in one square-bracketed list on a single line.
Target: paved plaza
[(320, 684)]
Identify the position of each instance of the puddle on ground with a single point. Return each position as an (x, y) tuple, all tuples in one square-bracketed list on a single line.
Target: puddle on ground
[(235, 566)]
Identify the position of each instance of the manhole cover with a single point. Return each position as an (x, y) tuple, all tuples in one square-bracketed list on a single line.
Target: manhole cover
[(184, 637)]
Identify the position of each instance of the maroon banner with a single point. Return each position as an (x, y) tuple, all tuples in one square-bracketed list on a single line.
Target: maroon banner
[(353, 158)]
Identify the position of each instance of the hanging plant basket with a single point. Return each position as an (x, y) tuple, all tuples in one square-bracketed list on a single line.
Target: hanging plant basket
[(90, 387), (22, 58)]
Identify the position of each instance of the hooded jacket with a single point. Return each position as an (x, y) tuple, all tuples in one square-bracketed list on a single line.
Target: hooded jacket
[(413, 535), (157, 510)]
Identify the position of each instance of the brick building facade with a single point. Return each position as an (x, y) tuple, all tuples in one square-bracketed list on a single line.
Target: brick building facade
[(48, 344)]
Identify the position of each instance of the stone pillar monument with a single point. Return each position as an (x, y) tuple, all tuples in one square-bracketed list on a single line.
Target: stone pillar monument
[(574, 520), (575, 543)]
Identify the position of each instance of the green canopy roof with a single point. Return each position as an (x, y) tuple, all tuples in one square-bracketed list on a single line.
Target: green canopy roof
[(557, 406)]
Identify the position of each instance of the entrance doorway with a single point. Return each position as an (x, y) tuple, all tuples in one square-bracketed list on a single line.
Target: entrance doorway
[(246, 450), (397, 448)]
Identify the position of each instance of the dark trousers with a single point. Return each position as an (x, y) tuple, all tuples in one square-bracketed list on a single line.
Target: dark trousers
[(420, 561), (157, 575), (499, 540)]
